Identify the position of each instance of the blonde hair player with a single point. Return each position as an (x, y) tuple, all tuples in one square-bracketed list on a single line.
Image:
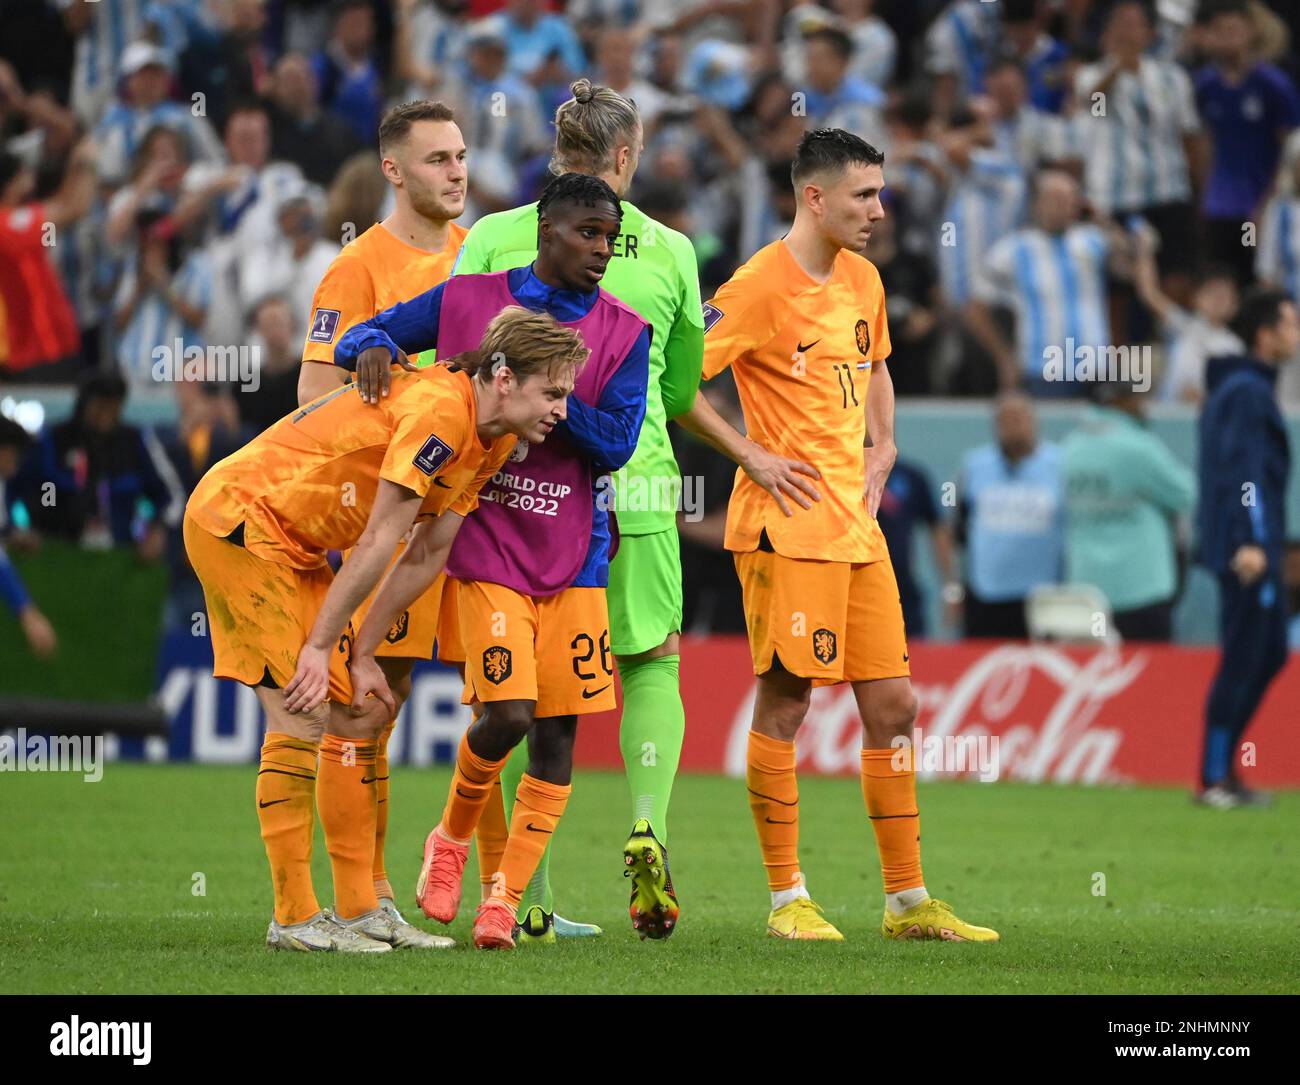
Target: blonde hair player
[(422, 156), (257, 530)]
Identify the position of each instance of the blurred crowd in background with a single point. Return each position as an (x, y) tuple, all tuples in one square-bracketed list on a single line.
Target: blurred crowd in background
[(1083, 172)]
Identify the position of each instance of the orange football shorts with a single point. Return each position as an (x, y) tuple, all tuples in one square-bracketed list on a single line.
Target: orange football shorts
[(831, 621)]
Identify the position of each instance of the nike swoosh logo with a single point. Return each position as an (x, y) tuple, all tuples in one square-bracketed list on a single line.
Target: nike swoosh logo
[(587, 696), (772, 798), (534, 829), (369, 779), (438, 482), (263, 805), (778, 821), (802, 348)]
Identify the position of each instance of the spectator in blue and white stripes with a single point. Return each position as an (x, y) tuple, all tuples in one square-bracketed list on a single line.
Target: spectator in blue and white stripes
[(1032, 136), (162, 300), (102, 33), (986, 201), (959, 45), (1277, 257), (500, 141), (538, 40), (836, 98), (1042, 58), (1052, 275), (348, 70), (245, 200), (1138, 127), (147, 71), (429, 43)]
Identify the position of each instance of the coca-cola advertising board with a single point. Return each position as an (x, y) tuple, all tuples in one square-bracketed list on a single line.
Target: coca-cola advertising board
[(995, 710)]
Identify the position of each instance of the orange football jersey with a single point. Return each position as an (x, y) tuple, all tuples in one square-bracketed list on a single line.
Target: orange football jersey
[(307, 484), (372, 273), (801, 352)]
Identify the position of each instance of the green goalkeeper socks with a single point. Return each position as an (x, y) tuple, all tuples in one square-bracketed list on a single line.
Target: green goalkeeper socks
[(650, 736)]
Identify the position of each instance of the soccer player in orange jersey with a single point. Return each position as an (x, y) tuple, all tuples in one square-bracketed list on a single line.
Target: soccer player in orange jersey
[(802, 325), (422, 155), (336, 474)]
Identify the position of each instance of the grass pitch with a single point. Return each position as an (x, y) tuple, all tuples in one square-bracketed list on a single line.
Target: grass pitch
[(98, 888)]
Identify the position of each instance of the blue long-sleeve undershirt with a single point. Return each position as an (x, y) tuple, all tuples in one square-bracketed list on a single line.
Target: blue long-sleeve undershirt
[(606, 432)]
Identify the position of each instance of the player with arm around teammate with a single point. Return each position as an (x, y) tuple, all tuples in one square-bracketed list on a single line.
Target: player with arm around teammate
[(532, 632), (332, 475)]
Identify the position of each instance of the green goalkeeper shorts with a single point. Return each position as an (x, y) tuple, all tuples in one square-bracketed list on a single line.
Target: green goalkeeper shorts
[(645, 592)]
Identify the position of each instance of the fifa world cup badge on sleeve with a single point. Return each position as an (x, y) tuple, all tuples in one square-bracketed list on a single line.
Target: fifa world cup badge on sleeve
[(324, 323), (432, 455)]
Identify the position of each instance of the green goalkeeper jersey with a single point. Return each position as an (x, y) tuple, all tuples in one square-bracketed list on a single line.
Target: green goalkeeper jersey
[(653, 270)]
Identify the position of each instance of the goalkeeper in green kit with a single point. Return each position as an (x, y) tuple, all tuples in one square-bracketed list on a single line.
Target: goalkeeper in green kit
[(653, 270)]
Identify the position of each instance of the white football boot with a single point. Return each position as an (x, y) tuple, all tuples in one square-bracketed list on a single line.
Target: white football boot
[(381, 926), (321, 934)]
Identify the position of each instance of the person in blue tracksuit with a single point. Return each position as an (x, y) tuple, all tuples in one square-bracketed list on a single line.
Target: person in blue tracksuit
[(1245, 461)]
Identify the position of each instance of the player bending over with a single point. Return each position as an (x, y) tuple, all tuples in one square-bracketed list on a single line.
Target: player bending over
[(803, 325), (527, 578), (332, 475)]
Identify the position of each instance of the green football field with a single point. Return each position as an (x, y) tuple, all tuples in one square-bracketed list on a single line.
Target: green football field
[(97, 893)]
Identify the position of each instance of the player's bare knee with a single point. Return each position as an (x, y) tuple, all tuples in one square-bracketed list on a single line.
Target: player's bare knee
[(550, 749), (781, 704), (362, 727), (500, 728), (312, 723), (306, 726), (891, 716), (397, 672)]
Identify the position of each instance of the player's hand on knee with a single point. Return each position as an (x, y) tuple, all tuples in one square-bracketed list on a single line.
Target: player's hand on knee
[(310, 682), (782, 477), (368, 679)]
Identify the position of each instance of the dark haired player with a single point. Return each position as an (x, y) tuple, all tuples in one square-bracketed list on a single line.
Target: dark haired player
[(803, 325), (526, 585)]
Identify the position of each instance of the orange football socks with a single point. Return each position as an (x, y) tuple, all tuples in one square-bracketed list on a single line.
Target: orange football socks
[(286, 785), (490, 835), (471, 787), (383, 888), (538, 809), (774, 802), (345, 796), (890, 795)]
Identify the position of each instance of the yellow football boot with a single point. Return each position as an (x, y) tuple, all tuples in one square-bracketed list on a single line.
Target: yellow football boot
[(801, 918), (933, 919)]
